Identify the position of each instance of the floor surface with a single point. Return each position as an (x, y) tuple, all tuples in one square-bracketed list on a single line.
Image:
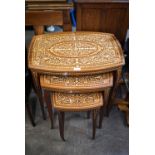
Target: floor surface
[(112, 139)]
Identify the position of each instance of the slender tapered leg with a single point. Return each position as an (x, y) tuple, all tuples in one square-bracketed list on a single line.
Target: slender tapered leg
[(106, 101), (102, 111), (116, 77), (30, 114), (104, 107), (42, 107), (61, 124), (88, 114), (101, 116), (67, 25), (38, 29), (94, 117), (109, 105), (47, 97), (38, 90)]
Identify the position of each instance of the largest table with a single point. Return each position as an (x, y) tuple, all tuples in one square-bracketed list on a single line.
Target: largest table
[(75, 53)]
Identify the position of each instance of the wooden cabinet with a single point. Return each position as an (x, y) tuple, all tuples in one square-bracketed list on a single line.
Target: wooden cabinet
[(110, 16)]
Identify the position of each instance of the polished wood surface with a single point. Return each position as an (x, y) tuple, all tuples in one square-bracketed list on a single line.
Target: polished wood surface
[(45, 1), (101, 1), (61, 117), (61, 47), (44, 13), (38, 29), (94, 118), (111, 16), (77, 101), (49, 6), (71, 84), (47, 98), (80, 84), (75, 52), (36, 82), (44, 18)]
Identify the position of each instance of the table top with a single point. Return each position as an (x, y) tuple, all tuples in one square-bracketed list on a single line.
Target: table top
[(76, 102), (71, 84), (102, 1), (48, 6), (45, 1), (75, 52)]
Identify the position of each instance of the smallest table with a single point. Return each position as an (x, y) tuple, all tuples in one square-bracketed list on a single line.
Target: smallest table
[(76, 102)]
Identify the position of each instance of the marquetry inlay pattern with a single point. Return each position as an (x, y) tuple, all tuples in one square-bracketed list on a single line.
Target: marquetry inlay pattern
[(86, 82), (75, 51), (76, 102)]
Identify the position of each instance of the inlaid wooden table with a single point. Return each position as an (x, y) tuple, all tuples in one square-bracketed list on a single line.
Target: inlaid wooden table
[(75, 85), (77, 102), (71, 84), (75, 54)]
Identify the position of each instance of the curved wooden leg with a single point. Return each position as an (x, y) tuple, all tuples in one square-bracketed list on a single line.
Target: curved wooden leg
[(30, 114), (105, 106), (61, 124), (47, 98), (106, 100), (38, 29), (67, 26), (116, 77), (94, 117), (37, 88), (101, 116), (42, 106)]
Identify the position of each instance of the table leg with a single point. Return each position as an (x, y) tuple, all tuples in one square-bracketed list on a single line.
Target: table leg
[(104, 107), (36, 81), (47, 96), (38, 29), (101, 116), (67, 26), (106, 100), (30, 114), (61, 116), (116, 77), (94, 118)]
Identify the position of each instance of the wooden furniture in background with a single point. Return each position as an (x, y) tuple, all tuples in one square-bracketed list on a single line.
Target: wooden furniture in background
[(43, 13), (110, 16), (76, 102)]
